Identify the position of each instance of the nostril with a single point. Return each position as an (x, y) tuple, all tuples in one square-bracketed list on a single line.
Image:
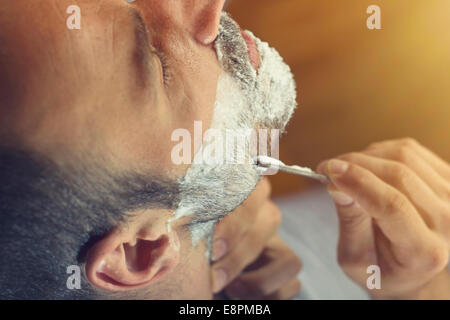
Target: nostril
[(207, 32), (206, 39)]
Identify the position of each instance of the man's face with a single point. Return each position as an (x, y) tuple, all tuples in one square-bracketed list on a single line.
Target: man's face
[(110, 88), (113, 92)]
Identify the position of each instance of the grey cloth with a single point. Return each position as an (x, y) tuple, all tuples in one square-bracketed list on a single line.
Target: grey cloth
[(310, 227)]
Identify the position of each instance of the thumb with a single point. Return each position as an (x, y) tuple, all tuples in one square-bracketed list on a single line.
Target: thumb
[(355, 225), (356, 241)]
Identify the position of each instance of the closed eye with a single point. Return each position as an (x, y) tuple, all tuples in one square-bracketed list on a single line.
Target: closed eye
[(144, 50)]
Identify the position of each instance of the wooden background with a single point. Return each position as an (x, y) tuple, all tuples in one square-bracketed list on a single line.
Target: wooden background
[(357, 86)]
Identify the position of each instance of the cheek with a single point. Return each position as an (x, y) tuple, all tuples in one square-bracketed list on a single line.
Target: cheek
[(196, 74), (204, 86), (189, 97), (193, 96), (140, 140), (191, 100)]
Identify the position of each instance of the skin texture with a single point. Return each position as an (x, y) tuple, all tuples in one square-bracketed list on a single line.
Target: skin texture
[(119, 105), (393, 202), (87, 96)]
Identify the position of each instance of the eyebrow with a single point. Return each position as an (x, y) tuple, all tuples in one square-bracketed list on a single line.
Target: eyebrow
[(142, 50)]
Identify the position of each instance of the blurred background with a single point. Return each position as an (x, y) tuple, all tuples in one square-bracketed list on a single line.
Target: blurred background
[(357, 86)]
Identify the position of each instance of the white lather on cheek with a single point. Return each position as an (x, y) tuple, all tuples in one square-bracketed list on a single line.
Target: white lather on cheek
[(267, 101)]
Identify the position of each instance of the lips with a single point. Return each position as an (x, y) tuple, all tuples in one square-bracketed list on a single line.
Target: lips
[(255, 59)]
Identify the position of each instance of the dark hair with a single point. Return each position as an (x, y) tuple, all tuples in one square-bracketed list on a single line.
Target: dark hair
[(49, 216)]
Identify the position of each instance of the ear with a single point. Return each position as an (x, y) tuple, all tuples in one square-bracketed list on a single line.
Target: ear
[(131, 258)]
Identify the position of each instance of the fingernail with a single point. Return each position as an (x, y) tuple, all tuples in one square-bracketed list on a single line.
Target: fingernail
[(341, 198), (337, 167), (219, 280), (219, 249)]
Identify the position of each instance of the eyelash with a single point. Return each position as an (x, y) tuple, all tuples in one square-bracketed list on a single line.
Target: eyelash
[(165, 66)]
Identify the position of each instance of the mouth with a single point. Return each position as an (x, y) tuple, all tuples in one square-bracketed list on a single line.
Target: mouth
[(255, 58)]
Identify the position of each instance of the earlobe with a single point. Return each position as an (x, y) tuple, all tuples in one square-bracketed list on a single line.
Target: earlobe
[(119, 265)]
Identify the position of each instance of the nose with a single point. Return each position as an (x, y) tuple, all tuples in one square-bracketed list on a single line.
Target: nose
[(208, 21), (199, 18)]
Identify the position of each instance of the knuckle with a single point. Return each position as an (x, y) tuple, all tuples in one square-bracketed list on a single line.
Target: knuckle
[(352, 219), (436, 259), (404, 154), (374, 145), (356, 176), (400, 174), (351, 157), (354, 170), (395, 203), (408, 142)]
